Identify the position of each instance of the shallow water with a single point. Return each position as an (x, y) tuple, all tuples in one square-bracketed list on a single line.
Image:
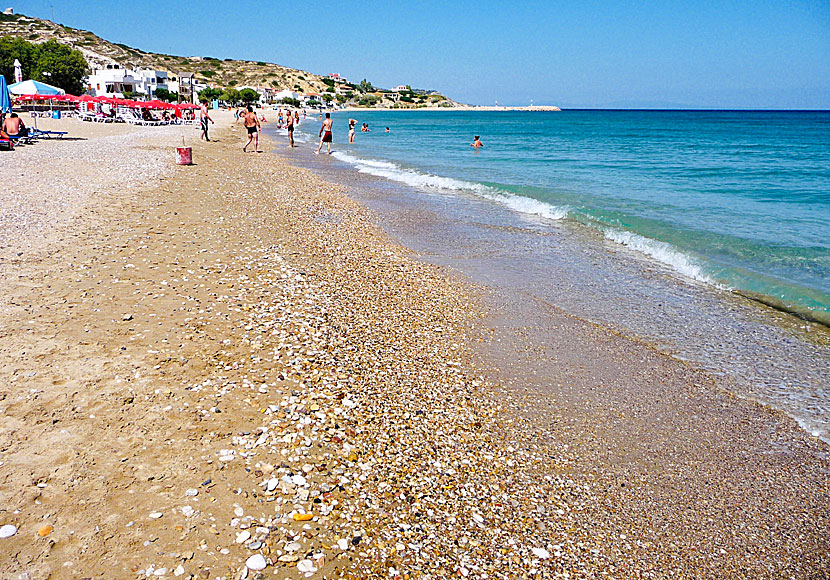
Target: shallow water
[(768, 356), (732, 198)]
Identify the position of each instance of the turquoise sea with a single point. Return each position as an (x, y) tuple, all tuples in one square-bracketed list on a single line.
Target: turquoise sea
[(738, 199), (677, 227)]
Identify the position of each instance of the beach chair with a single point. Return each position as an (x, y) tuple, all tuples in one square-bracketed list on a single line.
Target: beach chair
[(131, 117), (25, 139), (39, 134), (127, 116)]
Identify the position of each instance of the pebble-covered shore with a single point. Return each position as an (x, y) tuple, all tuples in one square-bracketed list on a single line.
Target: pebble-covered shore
[(235, 374)]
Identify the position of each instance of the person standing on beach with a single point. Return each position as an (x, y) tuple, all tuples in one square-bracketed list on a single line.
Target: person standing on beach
[(289, 124), (325, 134), (252, 125), (352, 123), (204, 117)]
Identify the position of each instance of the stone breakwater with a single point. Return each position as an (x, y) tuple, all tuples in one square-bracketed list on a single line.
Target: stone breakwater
[(235, 374)]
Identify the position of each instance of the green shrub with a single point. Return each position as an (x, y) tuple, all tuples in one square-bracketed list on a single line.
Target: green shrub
[(66, 66), (368, 101)]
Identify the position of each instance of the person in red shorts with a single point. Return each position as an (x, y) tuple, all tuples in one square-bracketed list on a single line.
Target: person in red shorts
[(325, 134)]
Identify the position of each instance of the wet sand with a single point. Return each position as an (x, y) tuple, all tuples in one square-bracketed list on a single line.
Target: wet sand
[(233, 362)]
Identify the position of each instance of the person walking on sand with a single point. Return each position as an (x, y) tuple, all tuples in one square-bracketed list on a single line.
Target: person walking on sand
[(289, 125), (352, 123), (477, 144), (252, 125), (204, 117), (325, 134)]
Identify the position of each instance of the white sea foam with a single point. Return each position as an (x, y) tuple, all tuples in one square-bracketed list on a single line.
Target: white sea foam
[(657, 250), (660, 251), (428, 181)]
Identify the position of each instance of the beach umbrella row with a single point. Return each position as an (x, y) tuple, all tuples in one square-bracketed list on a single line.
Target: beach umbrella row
[(154, 104)]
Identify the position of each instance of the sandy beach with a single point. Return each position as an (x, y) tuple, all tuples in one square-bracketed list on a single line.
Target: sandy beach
[(228, 370)]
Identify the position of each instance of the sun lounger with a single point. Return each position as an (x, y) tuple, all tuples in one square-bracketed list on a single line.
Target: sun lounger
[(25, 139), (129, 116), (39, 134), (86, 116)]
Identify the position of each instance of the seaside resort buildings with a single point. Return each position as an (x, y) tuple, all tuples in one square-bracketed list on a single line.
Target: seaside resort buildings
[(116, 80)]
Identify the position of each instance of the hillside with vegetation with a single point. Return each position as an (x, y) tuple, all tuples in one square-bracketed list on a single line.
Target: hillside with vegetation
[(216, 72)]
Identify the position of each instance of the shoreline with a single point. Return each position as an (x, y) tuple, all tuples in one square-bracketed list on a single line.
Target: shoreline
[(697, 321), (243, 324)]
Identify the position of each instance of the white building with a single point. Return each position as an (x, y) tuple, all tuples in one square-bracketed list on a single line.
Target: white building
[(115, 80), (286, 94)]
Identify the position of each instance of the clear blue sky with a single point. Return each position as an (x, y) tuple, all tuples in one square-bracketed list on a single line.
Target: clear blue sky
[(590, 53)]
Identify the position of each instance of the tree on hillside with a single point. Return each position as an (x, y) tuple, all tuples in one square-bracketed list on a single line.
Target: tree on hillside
[(249, 96), (165, 95), (365, 86), (13, 47), (66, 67), (50, 62), (210, 94), (231, 96)]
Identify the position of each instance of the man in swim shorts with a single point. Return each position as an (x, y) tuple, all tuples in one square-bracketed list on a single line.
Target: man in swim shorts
[(289, 124), (204, 117), (13, 126), (325, 134), (252, 125)]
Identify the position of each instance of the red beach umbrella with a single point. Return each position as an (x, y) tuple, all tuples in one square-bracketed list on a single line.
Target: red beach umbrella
[(157, 104)]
